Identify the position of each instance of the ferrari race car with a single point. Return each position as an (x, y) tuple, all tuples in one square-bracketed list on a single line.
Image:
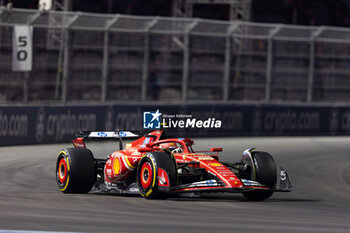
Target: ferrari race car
[(157, 166)]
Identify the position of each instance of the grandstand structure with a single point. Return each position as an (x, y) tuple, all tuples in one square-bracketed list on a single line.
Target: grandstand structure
[(238, 9), (118, 58)]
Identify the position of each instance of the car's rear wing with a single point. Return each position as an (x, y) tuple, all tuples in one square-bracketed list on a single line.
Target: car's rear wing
[(116, 135), (110, 134)]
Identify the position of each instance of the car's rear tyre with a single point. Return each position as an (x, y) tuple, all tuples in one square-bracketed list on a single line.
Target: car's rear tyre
[(148, 174), (263, 170), (75, 170)]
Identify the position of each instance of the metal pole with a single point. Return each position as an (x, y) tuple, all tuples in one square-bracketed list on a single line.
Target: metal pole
[(227, 68), (65, 65), (66, 57), (269, 63), (311, 70), (1, 10), (25, 87), (67, 5), (26, 75), (145, 66), (59, 67), (268, 70), (188, 9), (186, 59), (105, 65), (311, 75)]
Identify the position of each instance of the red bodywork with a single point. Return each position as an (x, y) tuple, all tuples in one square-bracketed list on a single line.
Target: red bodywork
[(122, 163)]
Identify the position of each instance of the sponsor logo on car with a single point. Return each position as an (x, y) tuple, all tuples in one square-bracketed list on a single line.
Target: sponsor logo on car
[(205, 183), (215, 164), (246, 182), (102, 134), (211, 183), (205, 158), (116, 166), (250, 182), (134, 189)]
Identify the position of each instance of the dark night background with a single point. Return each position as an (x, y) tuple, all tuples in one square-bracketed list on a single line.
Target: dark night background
[(302, 12)]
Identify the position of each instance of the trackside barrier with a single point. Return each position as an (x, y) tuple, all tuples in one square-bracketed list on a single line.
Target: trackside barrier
[(45, 124)]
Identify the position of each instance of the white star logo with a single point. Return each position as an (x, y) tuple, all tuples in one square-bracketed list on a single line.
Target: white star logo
[(156, 115)]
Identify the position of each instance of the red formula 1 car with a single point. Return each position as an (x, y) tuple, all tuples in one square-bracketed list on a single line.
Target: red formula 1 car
[(157, 166)]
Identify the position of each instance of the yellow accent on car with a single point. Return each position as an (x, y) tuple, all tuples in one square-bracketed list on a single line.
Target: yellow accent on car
[(154, 174), (116, 166), (215, 164), (67, 160), (148, 193), (65, 187), (61, 152), (143, 178), (154, 178), (127, 161)]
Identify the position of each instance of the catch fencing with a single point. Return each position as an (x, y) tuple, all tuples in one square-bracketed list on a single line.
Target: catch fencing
[(80, 57)]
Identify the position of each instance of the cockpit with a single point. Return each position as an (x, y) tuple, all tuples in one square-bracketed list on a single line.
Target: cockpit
[(179, 145)]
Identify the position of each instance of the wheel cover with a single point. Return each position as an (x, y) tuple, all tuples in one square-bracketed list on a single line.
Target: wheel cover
[(62, 170), (146, 175)]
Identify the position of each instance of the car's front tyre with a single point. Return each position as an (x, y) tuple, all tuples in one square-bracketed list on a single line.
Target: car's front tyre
[(263, 170), (148, 174)]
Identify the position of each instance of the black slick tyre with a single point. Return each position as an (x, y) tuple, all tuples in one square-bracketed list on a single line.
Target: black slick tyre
[(75, 170), (264, 171)]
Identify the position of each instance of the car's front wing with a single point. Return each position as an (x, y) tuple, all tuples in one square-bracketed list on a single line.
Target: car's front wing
[(283, 184)]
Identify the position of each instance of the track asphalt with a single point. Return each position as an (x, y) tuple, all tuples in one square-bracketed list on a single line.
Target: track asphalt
[(319, 168)]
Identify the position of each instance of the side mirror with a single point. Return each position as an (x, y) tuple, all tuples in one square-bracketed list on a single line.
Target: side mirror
[(144, 149), (217, 149)]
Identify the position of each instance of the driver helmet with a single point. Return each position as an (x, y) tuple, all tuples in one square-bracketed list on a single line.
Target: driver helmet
[(168, 146)]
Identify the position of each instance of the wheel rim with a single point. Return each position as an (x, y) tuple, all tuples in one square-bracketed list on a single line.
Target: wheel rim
[(62, 170), (146, 175)]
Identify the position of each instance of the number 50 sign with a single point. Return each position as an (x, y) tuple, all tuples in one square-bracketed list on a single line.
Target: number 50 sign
[(22, 48)]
